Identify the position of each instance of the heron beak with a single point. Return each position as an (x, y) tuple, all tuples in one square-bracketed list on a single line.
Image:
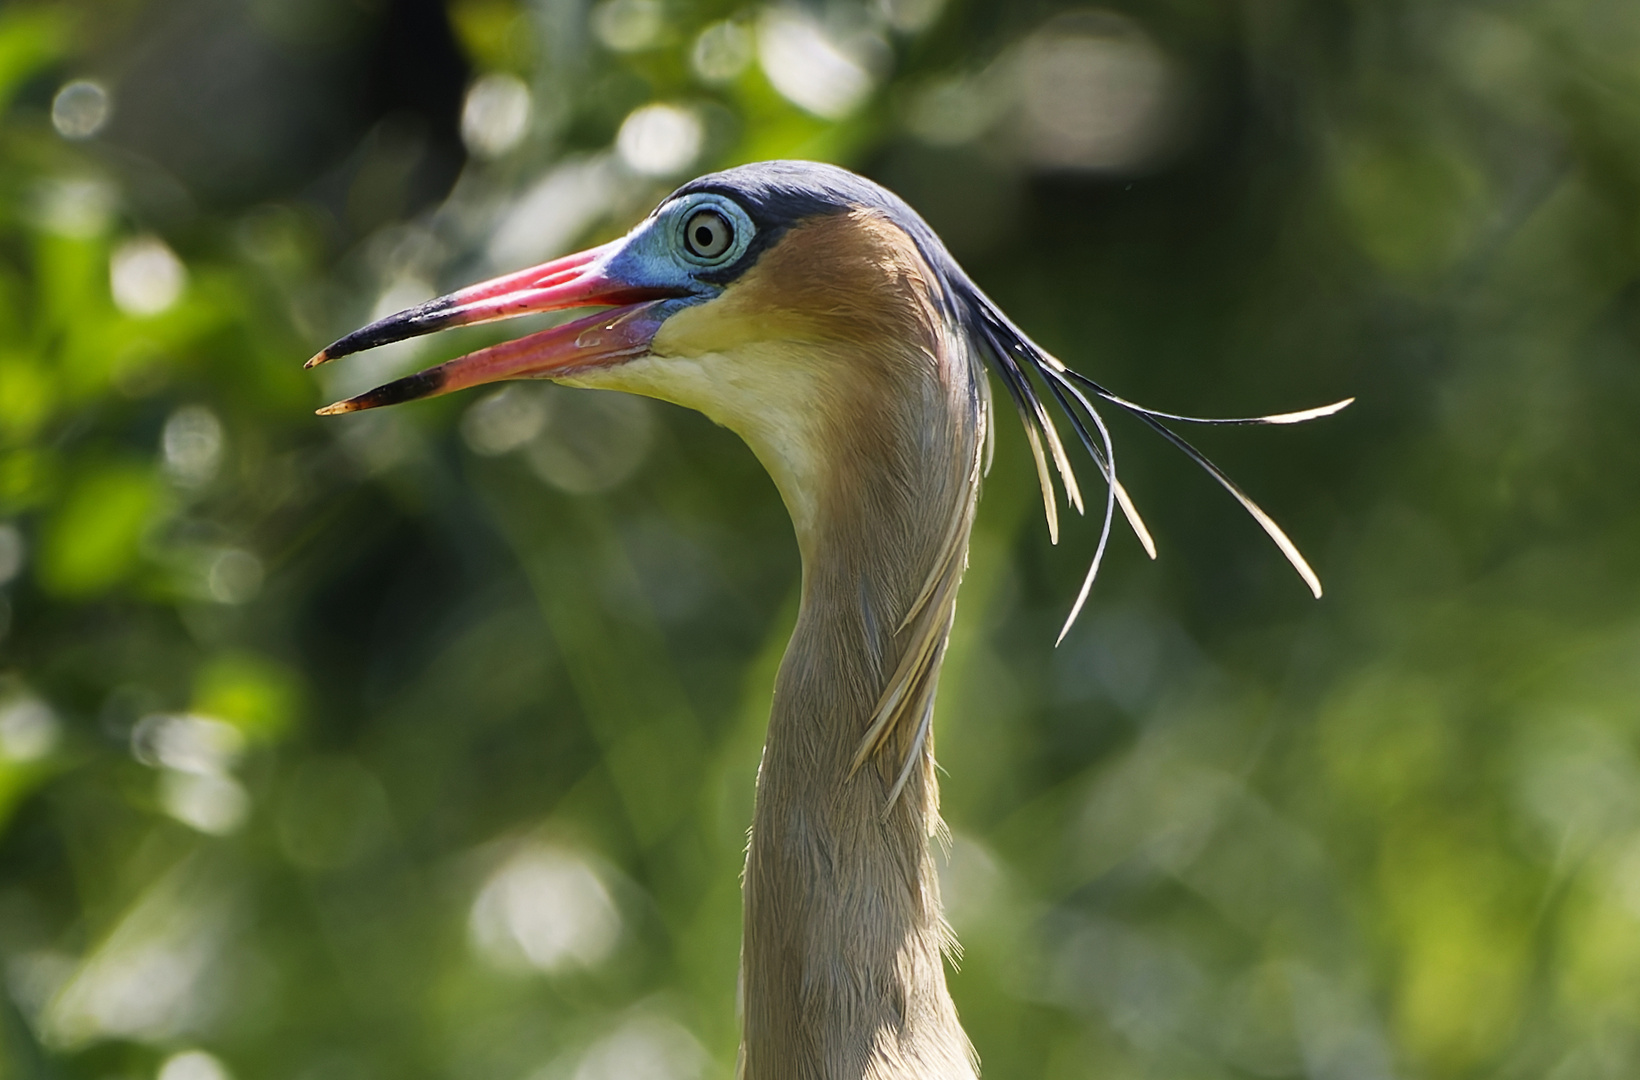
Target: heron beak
[(578, 280)]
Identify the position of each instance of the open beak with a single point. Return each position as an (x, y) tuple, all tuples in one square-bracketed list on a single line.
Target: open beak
[(579, 280)]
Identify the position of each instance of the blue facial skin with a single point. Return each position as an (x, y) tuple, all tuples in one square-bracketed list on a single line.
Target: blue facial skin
[(656, 255)]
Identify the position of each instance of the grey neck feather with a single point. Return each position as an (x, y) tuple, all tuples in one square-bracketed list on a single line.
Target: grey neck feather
[(844, 936)]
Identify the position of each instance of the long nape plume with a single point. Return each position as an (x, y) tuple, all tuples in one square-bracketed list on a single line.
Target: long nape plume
[(1016, 358)]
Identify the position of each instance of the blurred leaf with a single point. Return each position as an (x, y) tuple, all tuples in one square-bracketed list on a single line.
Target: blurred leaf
[(260, 697), (30, 38), (90, 542), (17, 781), (26, 396), (1464, 923), (495, 33), (1416, 206), (28, 478)]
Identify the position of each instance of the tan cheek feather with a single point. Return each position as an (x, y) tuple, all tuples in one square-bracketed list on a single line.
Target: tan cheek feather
[(851, 279), (800, 354)]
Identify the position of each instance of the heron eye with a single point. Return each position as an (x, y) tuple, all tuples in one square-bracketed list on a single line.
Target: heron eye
[(708, 234)]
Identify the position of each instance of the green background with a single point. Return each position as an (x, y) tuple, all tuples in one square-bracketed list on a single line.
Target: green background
[(421, 743)]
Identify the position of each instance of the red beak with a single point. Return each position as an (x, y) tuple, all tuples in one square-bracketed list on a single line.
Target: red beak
[(577, 280)]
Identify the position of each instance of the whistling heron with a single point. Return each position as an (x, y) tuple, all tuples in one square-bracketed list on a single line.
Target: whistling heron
[(817, 316)]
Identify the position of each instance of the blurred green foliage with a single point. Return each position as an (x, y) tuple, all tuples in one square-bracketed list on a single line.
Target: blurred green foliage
[(422, 743)]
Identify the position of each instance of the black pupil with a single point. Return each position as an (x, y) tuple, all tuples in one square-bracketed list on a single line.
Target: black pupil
[(708, 234)]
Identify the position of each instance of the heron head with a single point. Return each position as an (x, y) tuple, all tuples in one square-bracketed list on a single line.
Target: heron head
[(731, 270), (797, 304)]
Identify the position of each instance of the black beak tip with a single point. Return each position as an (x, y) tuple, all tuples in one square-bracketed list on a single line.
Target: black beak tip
[(411, 322), (422, 384)]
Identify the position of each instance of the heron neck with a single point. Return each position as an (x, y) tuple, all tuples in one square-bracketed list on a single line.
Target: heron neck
[(844, 935)]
